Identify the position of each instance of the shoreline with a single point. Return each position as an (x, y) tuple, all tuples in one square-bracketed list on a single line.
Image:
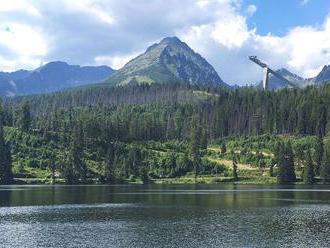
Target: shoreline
[(170, 181)]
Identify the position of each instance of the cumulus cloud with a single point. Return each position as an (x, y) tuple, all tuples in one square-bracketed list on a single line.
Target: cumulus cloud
[(113, 32), (251, 9), (19, 5), (116, 61), (228, 42)]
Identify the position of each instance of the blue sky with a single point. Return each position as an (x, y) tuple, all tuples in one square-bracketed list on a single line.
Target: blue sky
[(294, 34), (279, 16)]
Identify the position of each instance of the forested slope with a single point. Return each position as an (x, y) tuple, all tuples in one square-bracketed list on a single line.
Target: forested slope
[(169, 109), (162, 131)]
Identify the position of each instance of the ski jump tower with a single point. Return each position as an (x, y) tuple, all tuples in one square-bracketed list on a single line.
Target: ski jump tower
[(267, 71)]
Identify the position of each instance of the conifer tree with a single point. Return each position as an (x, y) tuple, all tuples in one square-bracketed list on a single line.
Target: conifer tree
[(25, 116), (318, 155), (195, 143), (6, 176), (67, 170), (135, 161), (77, 155), (285, 162), (309, 176), (235, 176), (204, 141), (109, 165), (321, 120), (223, 148), (144, 174), (325, 167)]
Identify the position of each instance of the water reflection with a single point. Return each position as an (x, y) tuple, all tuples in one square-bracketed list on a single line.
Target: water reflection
[(165, 216), (226, 196)]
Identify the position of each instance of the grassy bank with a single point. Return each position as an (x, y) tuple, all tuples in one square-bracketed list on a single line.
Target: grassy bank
[(169, 162)]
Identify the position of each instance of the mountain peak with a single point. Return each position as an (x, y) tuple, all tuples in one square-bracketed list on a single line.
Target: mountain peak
[(52, 65), (276, 83), (167, 42), (168, 61), (286, 73), (53, 76), (55, 64), (323, 76), (283, 71), (171, 41)]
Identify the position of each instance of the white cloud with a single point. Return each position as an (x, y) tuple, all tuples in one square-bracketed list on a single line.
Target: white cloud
[(25, 45), (22, 40), (251, 10), (231, 33), (91, 8), (227, 42), (111, 32), (115, 61), (19, 5)]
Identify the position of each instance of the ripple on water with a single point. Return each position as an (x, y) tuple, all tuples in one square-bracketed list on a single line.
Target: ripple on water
[(173, 216), (131, 225)]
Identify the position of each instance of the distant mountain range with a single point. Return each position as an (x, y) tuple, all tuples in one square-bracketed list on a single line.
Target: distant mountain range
[(169, 61), (275, 83), (51, 77), (324, 76)]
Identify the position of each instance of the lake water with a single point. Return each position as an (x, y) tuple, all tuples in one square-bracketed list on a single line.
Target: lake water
[(164, 216)]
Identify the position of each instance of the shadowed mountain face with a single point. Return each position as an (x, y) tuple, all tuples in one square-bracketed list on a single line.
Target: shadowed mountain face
[(7, 88), (169, 61), (276, 83), (324, 76), (51, 77)]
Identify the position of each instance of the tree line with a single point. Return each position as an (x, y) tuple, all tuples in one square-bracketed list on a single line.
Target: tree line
[(110, 121)]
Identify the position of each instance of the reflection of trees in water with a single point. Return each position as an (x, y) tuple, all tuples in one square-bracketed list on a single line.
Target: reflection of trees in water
[(5, 196)]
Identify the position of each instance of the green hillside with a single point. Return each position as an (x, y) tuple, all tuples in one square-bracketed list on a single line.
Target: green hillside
[(170, 61), (171, 133)]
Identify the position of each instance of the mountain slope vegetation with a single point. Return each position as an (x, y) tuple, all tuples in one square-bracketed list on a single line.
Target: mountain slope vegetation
[(150, 132), (170, 61)]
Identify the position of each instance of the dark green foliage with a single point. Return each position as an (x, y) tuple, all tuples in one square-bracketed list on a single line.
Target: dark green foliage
[(271, 170), (260, 160), (195, 143), (144, 174), (183, 165), (24, 118), (6, 176), (285, 162), (161, 131), (68, 172), (223, 148), (318, 155), (76, 171), (109, 170), (235, 176), (158, 112), (309, 175), (325, 168), (134, 161), (203, 140)]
